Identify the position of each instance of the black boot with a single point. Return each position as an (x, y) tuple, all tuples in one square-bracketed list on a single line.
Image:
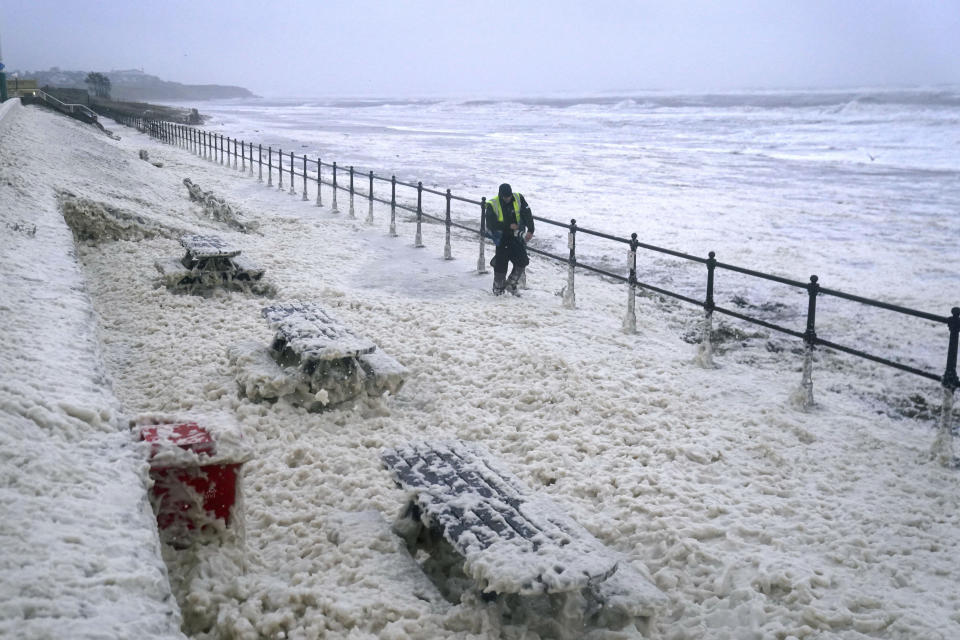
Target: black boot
[(499, 282), (515, 274)]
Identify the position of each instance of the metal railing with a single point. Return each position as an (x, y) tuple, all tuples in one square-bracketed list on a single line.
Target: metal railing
[(64, 107), (244, 155)]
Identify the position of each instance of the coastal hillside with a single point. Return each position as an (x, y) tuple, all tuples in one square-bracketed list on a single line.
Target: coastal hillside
[(134, 84)]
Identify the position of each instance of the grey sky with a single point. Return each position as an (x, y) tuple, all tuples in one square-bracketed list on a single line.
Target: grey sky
[(481, 47)]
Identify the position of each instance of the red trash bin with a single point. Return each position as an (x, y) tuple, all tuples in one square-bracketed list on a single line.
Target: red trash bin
[(192, 491)]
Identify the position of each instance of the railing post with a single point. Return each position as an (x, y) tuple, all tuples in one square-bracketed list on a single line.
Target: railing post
[(418, 240), (705, 352), (243, 156), (942, 449), (370, 195), (205, 145), (803, 396), (293, 190), (259, 162), (269, 166), (279, 169), (304, 177), (319, 181), (569, 295), (352, 215), (393, 206), (221, 150), (630, 320), (482, 260), (234, 154), (447, 252), (334, 209), (251, 159)]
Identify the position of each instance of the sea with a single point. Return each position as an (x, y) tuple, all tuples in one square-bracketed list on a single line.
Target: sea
[(860, 187)]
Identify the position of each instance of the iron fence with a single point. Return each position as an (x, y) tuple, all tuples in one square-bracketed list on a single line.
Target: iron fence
[(243, 155)]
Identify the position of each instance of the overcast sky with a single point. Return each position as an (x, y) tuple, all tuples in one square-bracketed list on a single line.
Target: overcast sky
[(478, 47)]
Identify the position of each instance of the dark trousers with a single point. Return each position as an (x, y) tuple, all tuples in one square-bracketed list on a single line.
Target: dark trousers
[(511, 249)]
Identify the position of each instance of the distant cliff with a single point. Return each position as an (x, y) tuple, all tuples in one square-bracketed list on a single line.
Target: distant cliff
[(134, 84)]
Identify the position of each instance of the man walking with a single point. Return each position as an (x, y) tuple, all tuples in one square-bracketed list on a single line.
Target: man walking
[(510, 225)]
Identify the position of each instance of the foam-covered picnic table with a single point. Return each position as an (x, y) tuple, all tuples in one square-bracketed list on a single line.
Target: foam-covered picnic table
[(314, 359), (512, 540), (209, 261)]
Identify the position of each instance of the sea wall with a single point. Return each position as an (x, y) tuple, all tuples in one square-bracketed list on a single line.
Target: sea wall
[(79, 551)]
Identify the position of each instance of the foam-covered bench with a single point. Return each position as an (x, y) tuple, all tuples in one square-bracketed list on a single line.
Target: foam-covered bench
[(476, 521), (314, 360)]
